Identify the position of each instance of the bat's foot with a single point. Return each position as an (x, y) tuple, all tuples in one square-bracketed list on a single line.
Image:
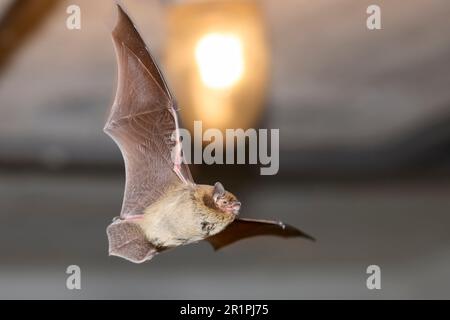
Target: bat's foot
[(136, 217)]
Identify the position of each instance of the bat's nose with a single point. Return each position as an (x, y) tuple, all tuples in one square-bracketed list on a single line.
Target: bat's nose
[(236, 207)]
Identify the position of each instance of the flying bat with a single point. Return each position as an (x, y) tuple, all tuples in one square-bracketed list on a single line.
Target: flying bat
[(163, 207)]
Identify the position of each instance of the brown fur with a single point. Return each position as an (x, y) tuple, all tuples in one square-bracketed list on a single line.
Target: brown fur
[(184, 215)]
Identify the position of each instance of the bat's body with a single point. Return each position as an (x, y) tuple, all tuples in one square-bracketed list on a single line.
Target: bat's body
[(163, 207), (195, 221)]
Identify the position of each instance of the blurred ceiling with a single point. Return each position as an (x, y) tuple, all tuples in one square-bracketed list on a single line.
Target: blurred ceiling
[(335, 84)]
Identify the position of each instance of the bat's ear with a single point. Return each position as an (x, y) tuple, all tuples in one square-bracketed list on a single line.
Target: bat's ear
[(219, 191)]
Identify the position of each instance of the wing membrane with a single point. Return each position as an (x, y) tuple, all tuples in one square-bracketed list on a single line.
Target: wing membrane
[(143, 122), (246, 228)]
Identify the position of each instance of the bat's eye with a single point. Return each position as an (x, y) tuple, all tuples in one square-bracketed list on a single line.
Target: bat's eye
[(225, 201)]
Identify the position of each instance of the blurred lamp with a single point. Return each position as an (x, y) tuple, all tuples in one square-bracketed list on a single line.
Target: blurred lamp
[(220, 60), (217, 61)]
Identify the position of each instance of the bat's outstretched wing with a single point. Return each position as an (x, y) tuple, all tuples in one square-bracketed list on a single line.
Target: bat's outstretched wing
[(246, 228), (143, 122)]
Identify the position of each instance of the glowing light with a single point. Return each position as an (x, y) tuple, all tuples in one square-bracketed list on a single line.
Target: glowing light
[(220, 60)]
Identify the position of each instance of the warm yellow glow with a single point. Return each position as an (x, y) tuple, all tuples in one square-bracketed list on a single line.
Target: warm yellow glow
[(220, 60)]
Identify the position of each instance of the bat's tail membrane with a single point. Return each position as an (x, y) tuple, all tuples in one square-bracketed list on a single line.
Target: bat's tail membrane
[(127, 240)]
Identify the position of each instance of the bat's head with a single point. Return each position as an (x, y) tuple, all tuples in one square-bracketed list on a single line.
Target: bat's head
[(224, 200)]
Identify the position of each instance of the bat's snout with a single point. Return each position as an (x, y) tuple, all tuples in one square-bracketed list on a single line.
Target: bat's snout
[(236, 207)]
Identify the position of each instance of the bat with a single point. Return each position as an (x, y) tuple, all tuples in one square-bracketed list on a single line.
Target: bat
[(163, 207)]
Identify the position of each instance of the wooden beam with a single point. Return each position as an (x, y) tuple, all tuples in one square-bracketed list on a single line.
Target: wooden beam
[(19, 21)]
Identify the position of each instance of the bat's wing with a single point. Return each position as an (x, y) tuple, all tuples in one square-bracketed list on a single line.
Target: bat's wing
[(128, 241), (143, 122), (246, 228)]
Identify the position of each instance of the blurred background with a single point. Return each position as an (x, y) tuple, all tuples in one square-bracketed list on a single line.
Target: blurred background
[(364, 119)]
